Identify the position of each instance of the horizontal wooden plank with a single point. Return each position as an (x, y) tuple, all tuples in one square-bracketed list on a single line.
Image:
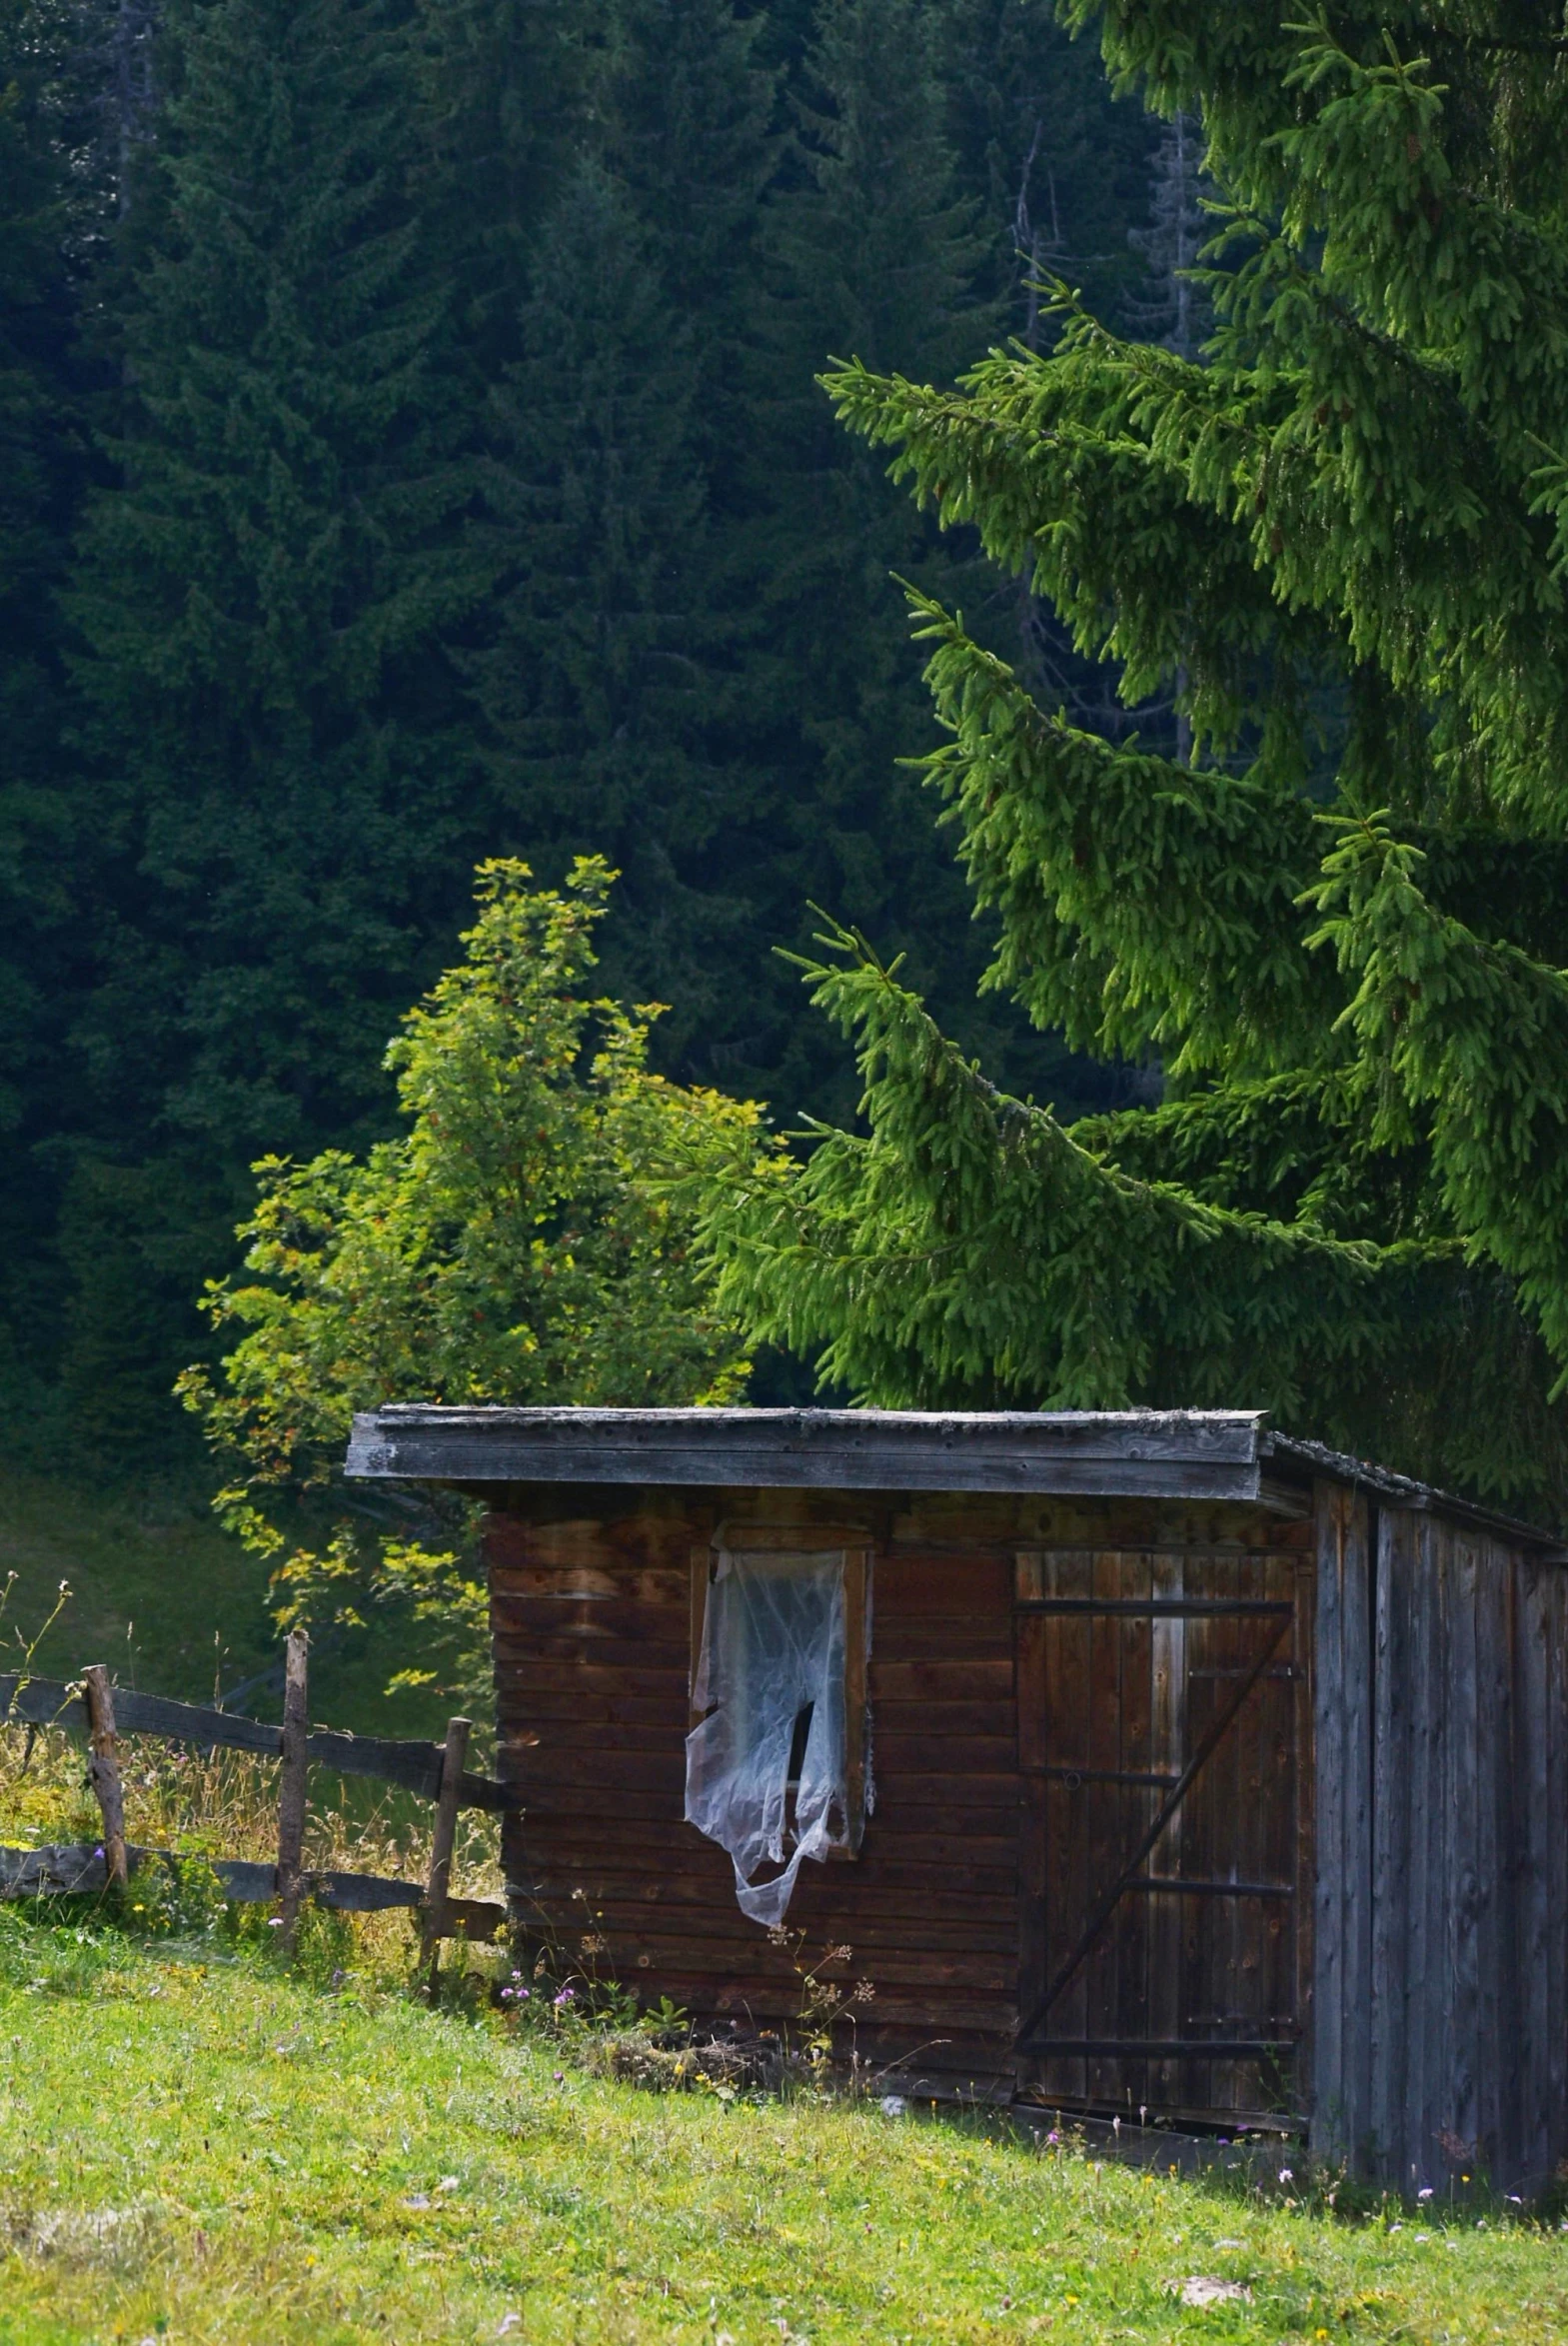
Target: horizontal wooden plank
[(940, 1681), (947, 2017), (933, 1639), (79, 1868), (1200, 1453), (547, 1764), (516, 1620), (899, 1749), (627, 1580), (519, 1679), (1166, 1885), (950, 1863), (528, 1649), (914, 1586), (916, 1969), (832, 1900), (552, 1705), (898, 1752), (903, 1753), (414, 1766), (622, 1915), (1159, 1608), (619, 1536), (1173, 2048), (991, 1718), (473, 1918)]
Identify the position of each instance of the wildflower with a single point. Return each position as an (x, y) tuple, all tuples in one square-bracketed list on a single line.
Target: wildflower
[(1052, 2138), (1287, 2175), (864, 1991), (894, 2105), (1426, 2194), (593, 1943), (567, 1995), (560, 2077)]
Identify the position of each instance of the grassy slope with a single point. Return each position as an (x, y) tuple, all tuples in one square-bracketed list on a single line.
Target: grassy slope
[(228, 2155), (168, 1600)]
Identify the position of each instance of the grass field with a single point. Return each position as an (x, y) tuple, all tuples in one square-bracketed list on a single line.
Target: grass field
[(199, 2143), (175, 1605), (200, 2146)]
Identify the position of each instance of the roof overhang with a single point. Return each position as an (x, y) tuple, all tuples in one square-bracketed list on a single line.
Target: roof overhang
[(1179, 1453), (1091, 1454)]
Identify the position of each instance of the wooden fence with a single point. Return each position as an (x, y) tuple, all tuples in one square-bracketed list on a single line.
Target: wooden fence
[(103, 1712)]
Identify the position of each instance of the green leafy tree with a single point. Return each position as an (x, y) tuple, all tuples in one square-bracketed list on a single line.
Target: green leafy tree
[(1342, 541), (521, 1242)]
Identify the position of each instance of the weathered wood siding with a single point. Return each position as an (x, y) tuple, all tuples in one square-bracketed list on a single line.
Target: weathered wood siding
[(591, 1622), (1442, 1951), (592, 1596), (1164, 1720)]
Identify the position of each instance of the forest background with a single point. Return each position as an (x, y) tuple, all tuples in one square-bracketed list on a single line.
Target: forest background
[(411, 452)]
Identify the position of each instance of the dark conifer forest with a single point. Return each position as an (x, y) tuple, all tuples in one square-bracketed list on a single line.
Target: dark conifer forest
[(412, 453)]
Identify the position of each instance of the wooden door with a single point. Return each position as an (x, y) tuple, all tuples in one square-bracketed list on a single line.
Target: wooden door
[(1164, 1720)]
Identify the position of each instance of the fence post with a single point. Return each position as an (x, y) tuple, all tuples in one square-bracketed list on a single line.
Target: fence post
[(440, 1882), (290, 1790), (102, 1769)]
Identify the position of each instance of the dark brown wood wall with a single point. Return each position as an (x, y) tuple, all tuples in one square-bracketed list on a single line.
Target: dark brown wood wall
[(1165, 1732), (1442, 1942), (590, 1614), (592, 1609)]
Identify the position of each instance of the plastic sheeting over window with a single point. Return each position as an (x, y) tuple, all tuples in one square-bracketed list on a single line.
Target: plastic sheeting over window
[(772, 1663)]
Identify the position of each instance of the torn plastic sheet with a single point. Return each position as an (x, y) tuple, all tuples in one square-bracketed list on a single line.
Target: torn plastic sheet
[(773, 1645)]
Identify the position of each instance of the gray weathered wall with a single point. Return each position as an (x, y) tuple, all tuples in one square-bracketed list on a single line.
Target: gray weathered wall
[(1441, 1997)]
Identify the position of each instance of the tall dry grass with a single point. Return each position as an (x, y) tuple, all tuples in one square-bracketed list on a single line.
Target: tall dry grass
[(224, 1804)]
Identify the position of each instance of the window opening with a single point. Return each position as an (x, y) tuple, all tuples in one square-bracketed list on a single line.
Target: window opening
[(769, 1767), (798, 1742)]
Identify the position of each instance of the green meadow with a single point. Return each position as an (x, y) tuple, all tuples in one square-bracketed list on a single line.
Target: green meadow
[(200, 2145)]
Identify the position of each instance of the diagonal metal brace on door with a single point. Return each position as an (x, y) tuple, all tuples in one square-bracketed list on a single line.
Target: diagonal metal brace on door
[(1108, 1902)]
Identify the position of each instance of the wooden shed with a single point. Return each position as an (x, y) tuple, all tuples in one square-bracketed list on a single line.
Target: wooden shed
[(1178, 1768)]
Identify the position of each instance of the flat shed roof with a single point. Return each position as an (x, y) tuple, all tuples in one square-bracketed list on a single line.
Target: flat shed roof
[(1150, 1454)]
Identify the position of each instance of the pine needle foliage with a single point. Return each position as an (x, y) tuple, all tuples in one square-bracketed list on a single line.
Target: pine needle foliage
[(1339, 535)]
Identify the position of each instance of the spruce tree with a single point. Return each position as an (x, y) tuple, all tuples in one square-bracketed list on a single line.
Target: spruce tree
[(1340, 921), (279, 828), (874, 250), (508, 92), (56, 193), (598, 686)]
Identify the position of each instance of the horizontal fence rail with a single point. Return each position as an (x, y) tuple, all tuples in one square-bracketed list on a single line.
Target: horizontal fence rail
[(80, 1868), (416, 1767), (94, 1706)]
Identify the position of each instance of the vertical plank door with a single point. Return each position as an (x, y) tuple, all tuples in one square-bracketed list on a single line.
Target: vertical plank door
[(1163, 1802)]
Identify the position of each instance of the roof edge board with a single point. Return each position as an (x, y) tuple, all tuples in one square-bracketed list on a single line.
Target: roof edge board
[(1216, 1454), (1405, 1492)]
